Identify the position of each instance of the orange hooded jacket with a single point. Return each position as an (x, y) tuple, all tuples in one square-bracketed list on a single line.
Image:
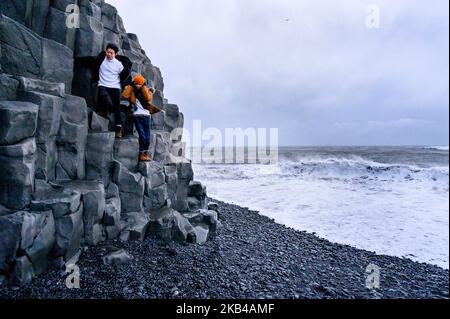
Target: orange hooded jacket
[(129, 95)]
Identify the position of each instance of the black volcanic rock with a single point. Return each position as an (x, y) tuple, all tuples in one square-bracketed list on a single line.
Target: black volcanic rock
[(58, 154), (253, 258), (18, 121)]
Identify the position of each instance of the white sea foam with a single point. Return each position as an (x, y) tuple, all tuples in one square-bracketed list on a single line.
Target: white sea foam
[(439, 148), (357, 167), (393, 209)]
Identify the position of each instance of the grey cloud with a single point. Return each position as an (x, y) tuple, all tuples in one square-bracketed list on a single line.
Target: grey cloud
[(240, 63)]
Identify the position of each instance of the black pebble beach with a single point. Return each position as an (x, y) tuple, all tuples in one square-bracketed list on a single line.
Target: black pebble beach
[(252, 257)]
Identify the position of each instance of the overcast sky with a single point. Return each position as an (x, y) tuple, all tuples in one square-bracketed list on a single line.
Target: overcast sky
[(308, 67)]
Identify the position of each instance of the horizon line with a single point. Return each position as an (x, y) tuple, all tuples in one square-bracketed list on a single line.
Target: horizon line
[(343, 145)]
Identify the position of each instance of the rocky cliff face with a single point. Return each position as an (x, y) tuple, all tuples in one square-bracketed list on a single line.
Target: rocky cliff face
[(65, 182)]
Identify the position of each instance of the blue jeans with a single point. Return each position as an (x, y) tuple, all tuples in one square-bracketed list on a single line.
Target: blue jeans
[(143, 127)]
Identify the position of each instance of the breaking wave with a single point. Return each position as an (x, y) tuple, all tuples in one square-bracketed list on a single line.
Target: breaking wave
[(358, 167)]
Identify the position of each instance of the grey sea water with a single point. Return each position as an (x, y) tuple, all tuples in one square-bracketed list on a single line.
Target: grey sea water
[(391, 200)]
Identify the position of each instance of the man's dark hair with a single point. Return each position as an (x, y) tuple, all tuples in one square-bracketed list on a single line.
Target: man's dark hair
[(113, 47)]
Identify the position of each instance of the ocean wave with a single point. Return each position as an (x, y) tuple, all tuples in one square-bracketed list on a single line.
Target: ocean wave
[(438, 148), (357, 167), (326, 168), (356, 199)]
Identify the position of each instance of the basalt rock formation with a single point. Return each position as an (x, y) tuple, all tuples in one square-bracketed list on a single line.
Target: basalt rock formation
[(65, 181)]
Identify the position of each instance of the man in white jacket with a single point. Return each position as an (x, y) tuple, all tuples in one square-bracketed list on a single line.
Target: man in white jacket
[(109, 87), (112, 72)]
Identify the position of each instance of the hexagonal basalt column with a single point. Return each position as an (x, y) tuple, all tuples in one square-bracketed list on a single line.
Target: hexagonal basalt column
[(131, 188), (18, 121), (67, 211), (93, 198), (17, 174), (99, 156), (71, 139)]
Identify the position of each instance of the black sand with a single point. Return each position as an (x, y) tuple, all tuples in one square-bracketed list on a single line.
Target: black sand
[(253, 257)]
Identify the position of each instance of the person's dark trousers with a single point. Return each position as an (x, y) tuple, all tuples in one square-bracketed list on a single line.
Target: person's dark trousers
[(143, 127), (109, 101)]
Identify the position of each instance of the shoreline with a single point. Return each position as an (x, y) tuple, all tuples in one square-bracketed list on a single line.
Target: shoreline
[(314, 233), (252, 257)]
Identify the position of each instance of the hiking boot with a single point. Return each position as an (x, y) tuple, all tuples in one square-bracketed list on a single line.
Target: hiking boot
[(119, 131), (143, 157), (148, 155)]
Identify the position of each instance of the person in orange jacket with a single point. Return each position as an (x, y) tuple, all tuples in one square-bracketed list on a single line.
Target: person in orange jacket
[(141, 98)]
